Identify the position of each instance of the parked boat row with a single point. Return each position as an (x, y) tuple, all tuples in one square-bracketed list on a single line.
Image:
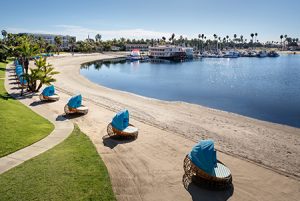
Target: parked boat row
[(236, 54), (170, 52)]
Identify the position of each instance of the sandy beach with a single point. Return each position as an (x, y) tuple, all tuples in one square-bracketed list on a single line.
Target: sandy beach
[(263, 157)]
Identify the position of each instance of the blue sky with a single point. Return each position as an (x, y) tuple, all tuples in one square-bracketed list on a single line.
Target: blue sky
[(153, 18)]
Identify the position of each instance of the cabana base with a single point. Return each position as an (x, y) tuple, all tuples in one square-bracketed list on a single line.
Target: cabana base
[(55, 97), (131, 132), (80, 110), (198, 176)]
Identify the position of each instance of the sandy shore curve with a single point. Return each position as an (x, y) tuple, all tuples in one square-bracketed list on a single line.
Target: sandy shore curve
[(150, 168)]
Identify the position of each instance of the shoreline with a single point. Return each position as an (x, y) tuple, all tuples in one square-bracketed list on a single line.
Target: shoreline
[(254, 150), (179, 101)]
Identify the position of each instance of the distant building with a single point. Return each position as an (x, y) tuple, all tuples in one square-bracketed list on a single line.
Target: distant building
[(115, 48), (49, 38), (141, 47)]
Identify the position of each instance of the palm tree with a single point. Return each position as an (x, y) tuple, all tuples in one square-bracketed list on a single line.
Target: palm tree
[(58, 42), (4, 33), (242, 39), (255, 36), (234, 36), (285, 36), (281, 37), (200, 36), (215, 36), (98, 37), (72, 42), (41, 42), (26, 50), (42, 74), (252, 35), (172, 38)]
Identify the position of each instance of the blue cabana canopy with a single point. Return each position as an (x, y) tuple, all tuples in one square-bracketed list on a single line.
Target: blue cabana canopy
[(18, 67), (19, 74), (22, 80), (49, 91), (75, 101), (204, 156), (19, 70), (121, 120)]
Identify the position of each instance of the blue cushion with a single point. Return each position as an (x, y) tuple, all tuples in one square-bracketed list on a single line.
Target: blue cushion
[(204, 156), (19, 67), (49, 91), (121, 120), (75, 101)]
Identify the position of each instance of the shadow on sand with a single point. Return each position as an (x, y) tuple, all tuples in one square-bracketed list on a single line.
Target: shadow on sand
[(36, 103), (64, 117), (12, 79), (112, 142), (205, 193), (26, 94)]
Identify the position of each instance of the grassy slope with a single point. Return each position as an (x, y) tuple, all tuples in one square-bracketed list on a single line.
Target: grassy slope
[(19, 126), (70, 171)]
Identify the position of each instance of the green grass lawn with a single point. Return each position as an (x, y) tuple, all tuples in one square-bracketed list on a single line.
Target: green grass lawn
[(19, 126), (70, 171)]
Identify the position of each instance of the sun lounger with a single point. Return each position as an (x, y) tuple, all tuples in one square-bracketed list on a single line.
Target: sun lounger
[(74, 106), (48, 94), (120, 126), (202, 167)]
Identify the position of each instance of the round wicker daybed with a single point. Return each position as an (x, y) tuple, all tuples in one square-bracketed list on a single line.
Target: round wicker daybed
[(202, 167)]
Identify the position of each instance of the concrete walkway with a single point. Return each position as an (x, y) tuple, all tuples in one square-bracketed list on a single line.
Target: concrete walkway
[(63, 127)]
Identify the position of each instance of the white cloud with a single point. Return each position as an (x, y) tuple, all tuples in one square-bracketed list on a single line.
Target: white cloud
[(83, 32)]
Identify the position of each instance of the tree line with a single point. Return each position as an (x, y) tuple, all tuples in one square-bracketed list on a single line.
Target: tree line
[(201, 42)]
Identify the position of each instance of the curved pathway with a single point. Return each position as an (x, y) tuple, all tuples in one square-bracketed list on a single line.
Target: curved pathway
[(63, 127)]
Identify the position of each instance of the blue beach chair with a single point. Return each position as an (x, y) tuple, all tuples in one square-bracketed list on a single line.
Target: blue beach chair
[(75, 106), (22, 80), (120, 126), (202, 167), (48, 94)]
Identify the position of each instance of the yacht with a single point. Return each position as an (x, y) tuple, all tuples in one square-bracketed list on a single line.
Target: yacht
[(167, 52), (262, 54), (134, 55), (189, 52), (231, 54), (273, 54)]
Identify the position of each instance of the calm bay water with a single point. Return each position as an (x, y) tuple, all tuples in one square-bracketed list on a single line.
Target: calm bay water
[(262, 88)]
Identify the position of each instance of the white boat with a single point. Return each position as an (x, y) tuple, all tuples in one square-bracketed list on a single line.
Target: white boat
[(262, 54), (212, 54), (134, 55), (167, 52), (189, 52), (231, 54)]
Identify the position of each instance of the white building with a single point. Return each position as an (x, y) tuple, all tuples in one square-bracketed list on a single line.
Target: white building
[(50, 38)]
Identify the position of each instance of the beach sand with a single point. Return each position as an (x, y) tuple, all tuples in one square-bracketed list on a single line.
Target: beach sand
[(263, 157)]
